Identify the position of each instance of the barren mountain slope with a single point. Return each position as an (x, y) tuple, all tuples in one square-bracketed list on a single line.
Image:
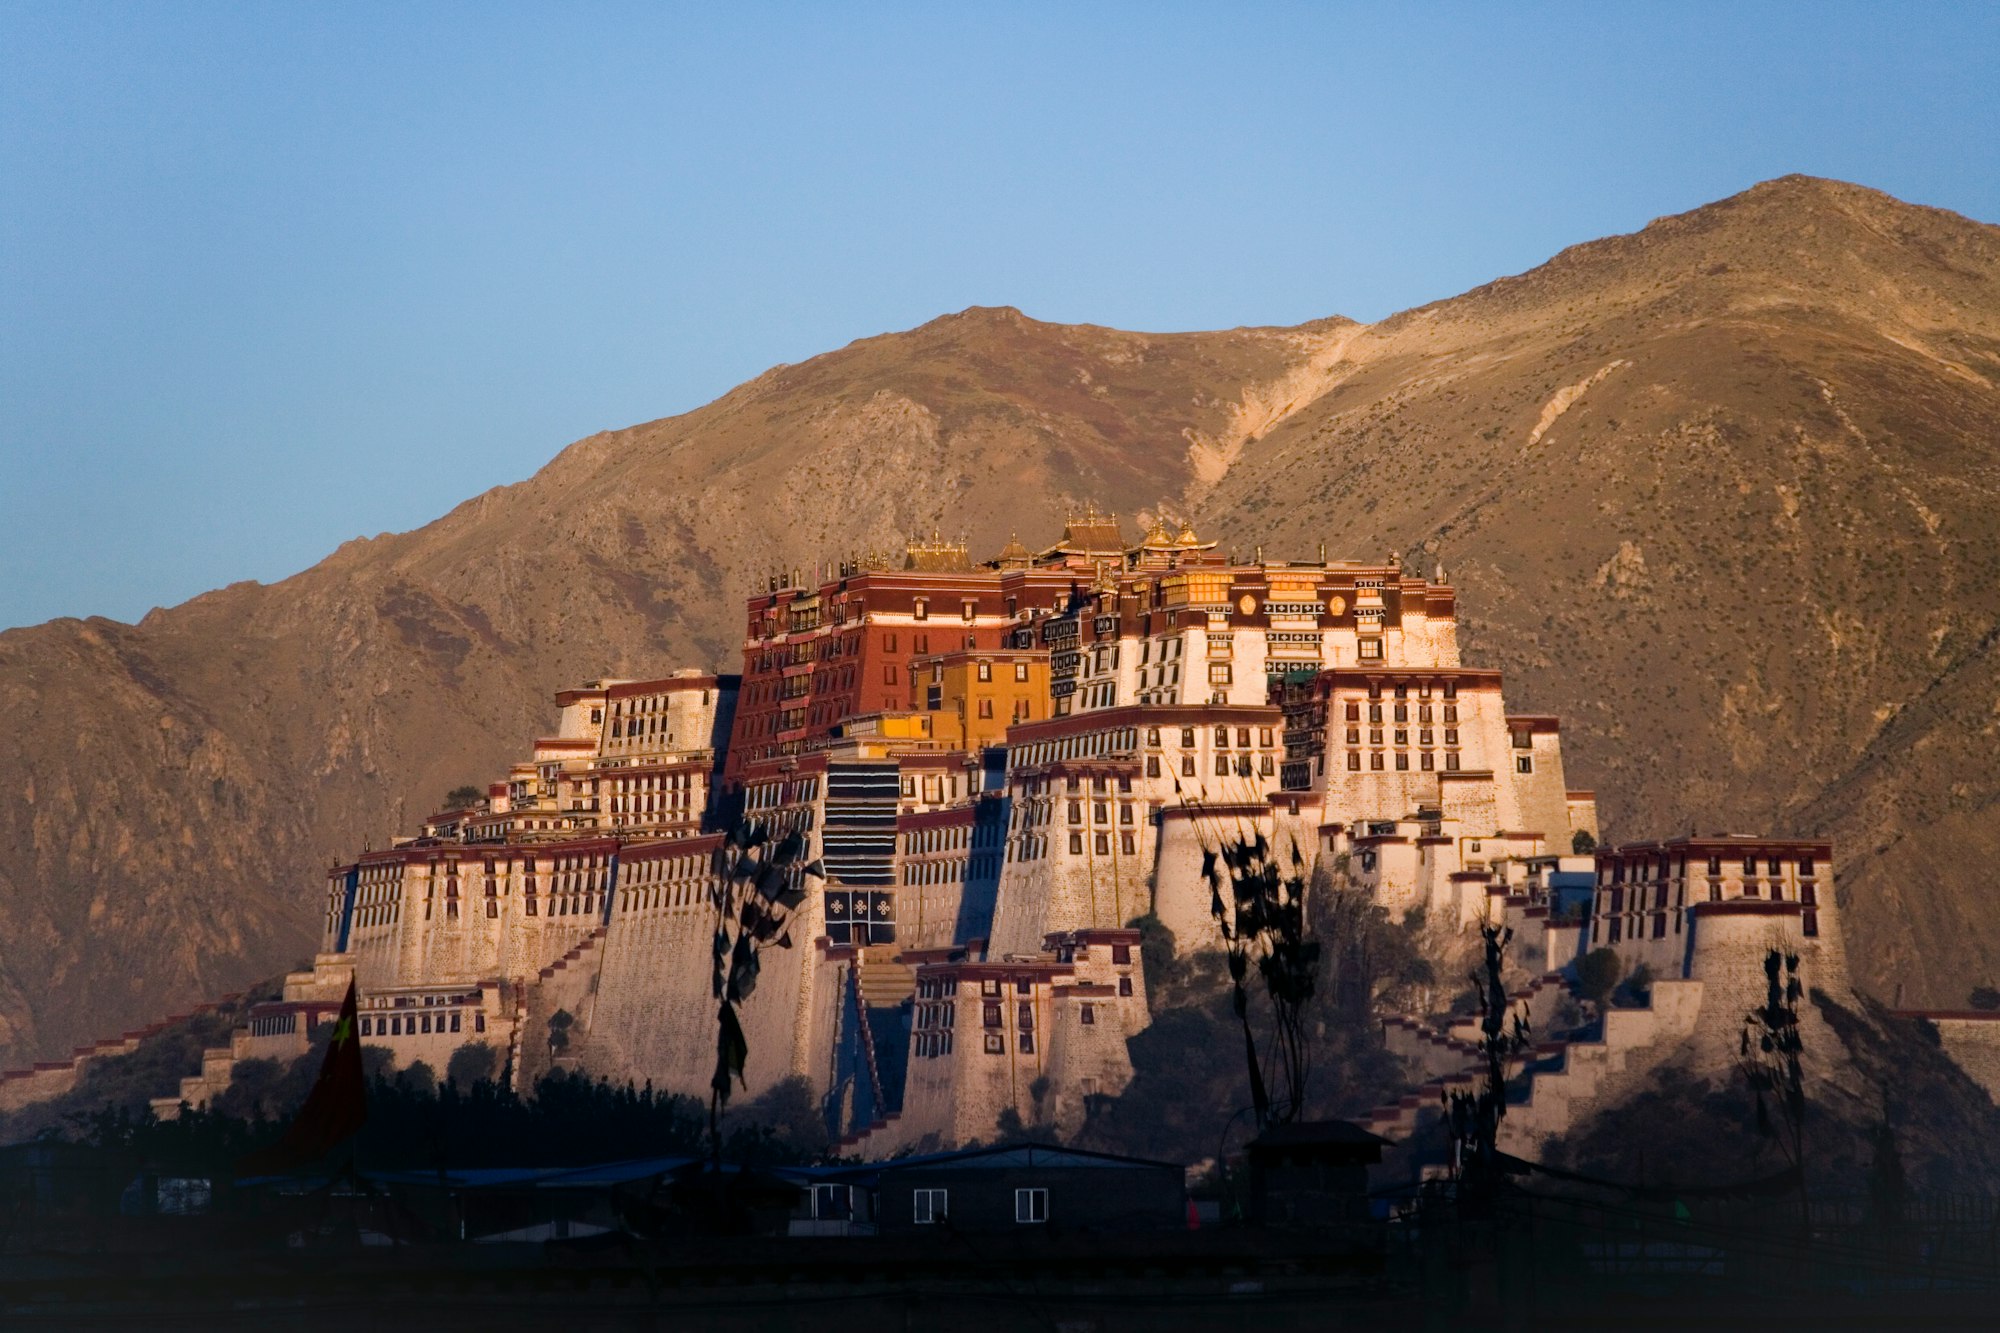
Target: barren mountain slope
[(171, 792), (1721, 492), (1724, 493)]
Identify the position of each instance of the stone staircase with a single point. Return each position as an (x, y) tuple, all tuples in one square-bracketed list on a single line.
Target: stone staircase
[(1573, 1074), (576, 952), (52, 1078), (885, 980), (523, 1007), (1553, 1082), (1450, 1058), (865, 1035), (512, 1066)]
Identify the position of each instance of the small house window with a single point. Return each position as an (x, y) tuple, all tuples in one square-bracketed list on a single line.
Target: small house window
[(1031, 1206), (927, 1207)]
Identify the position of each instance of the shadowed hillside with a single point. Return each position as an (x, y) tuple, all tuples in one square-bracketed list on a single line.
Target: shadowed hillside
[(1722, 492)]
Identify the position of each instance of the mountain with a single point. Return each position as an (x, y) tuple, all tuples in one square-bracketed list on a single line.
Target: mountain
[(1722, 492)]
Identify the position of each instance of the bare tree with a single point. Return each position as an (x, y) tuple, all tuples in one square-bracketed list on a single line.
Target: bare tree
[(1263, 922), (1474, 1117)]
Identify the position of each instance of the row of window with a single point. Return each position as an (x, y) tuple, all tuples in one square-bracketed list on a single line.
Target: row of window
[(412, 1025), (1426, 762), (1613, 931), (1773, 866), (950, 870)]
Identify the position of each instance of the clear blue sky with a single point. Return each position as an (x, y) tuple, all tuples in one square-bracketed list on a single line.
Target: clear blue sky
[(276, 275)]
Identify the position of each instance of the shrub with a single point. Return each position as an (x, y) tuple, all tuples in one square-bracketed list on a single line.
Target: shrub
[(1598, 973), (474, 1062)]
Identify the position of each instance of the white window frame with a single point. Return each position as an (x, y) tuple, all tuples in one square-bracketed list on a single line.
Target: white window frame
[(927, 1206), (1028, 1202)]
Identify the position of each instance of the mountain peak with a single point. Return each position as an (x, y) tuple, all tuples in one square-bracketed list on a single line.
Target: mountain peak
[(1675, 470)]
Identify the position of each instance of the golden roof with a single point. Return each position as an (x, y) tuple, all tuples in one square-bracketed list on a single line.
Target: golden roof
[(936, 555)]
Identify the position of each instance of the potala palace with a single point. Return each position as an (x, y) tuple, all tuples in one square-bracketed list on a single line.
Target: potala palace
[(1001, 766)]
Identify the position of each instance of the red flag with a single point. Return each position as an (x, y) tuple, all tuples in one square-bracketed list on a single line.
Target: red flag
[(334, 1110)]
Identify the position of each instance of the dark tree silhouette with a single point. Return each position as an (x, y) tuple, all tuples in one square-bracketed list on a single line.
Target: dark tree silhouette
[(1263, 922), (1769, 1057), (762, 882), (1474, 1117), (474, 1062)]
